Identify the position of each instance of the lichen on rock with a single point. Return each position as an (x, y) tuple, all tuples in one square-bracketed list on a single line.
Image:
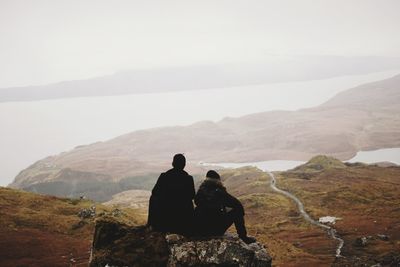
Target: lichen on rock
[(116, 244)]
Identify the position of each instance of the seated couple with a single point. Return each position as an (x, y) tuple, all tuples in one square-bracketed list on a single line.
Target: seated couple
[(171, 205)]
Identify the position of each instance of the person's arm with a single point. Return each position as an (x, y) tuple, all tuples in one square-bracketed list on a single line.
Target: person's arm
[(152, 210), (234, 203), (154, 203), (198, 198), (157, 189), (192, 191)]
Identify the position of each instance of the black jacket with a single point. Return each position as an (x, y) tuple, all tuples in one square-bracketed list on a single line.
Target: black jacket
[(212, 205), (171, 202)]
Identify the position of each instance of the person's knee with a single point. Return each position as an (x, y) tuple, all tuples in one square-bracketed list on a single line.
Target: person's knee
[(238, 211), (241, 211)]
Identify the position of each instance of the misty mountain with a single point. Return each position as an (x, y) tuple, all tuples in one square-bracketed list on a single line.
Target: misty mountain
[(363, 118), (204, 77)]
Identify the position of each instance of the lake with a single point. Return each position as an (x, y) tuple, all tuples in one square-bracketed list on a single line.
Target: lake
[(373, 156), (270, 165), (388, 154), (33, 130)]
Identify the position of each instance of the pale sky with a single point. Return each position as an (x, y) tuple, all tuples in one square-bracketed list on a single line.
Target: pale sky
[(45, 41)]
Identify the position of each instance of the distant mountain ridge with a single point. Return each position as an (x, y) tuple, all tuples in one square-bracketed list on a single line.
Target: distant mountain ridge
[(363, 118), (298, 68)]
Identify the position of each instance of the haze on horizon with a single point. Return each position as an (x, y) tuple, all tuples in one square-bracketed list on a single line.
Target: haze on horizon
[(48, 41)]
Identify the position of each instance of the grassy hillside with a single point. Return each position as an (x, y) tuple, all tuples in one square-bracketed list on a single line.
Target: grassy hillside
[(366, 199), (38, 230), (273, 219), (362, 118), (319, 163)]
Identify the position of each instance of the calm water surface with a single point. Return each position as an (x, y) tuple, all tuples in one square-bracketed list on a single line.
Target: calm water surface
[(33, 130)]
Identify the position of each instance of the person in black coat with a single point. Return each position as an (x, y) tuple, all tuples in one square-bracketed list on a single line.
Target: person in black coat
[(216, 210), (171, 202)]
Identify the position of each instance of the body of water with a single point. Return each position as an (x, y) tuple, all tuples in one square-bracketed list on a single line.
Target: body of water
[(270, 165), (380, 155), (282, 165), (373, 156), (390, 154), (33, 130)]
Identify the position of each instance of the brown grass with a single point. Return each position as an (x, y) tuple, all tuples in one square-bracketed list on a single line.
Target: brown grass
[(37, 230), (367, 198)]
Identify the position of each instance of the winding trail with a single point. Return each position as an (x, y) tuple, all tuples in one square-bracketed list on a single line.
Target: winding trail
[(330, 230), (261, 166)]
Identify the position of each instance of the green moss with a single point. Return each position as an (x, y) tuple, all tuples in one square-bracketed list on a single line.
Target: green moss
[(320, 163)]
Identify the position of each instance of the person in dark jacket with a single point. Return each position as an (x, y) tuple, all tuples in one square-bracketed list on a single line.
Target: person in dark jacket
[(171, 202), (216, 210)]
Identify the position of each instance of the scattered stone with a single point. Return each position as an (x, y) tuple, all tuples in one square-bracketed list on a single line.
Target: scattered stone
[(391, 259), (87, 213), (361, 241), (78, 225), (327, 220), (383, 237), (116, 212), (298, 244)]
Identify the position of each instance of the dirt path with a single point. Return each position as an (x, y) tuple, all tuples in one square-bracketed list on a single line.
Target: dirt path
[(330, 230)]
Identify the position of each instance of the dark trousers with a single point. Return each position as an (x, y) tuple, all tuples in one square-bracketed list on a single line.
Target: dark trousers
[(165, 219), (212, 223)]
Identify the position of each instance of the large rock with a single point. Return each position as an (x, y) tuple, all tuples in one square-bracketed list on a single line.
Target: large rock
[(116, 244)]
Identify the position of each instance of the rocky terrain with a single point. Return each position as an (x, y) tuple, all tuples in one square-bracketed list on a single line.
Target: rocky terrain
[(38, 230), (363, 200), (116, 244), (361, 118), (138, 199)]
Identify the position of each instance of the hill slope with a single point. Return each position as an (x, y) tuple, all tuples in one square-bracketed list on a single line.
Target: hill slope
[(204, 77), (319, 163), (366, 198), (37, 230), (361, 118)]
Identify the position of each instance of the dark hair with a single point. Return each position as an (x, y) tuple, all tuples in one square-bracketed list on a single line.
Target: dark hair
[(213, 174), (179, 162)]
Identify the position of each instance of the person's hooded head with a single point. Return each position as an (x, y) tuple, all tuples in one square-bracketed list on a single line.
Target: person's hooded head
[(179, 162), (211, 174), (213, 178)]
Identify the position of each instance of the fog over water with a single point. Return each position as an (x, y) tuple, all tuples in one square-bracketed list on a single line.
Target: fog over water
[(34, 130), (270, 165), (47, 41), (372, 156)]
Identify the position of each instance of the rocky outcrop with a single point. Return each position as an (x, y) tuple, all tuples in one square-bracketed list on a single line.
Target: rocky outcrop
[(116, 244), (228, 250)]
